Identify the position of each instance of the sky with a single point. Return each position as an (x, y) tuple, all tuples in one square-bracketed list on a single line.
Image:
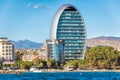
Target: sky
[(32, 19)]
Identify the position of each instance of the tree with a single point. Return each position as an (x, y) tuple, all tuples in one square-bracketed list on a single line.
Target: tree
[(1, 65), (25, 64), (51, 63), (83, 64), (18, 55), (12, 65), (103, 57), (40, 65), (73, 63)]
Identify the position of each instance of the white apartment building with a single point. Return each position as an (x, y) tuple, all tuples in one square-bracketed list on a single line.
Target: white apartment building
[(29, 56), (6, 50)]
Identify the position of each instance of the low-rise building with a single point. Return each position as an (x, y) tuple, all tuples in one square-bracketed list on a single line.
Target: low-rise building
[(29, 56), (42, 54)]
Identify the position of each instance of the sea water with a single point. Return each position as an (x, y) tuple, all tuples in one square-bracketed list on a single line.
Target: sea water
[(62, 76)]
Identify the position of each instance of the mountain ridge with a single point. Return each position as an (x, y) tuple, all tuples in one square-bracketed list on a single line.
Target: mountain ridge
[(104, 41), (20, 44), (103, 37), (91, 42)]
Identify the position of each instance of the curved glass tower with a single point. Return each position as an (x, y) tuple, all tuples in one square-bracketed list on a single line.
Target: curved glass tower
[(68, 25)]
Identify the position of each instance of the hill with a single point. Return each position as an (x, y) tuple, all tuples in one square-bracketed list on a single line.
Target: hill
[(26, 44), (104, 41), (97, 41)]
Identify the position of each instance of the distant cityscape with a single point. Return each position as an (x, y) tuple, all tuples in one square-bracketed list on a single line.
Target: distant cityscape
[(41, 51), (59, 40), (67, 42)]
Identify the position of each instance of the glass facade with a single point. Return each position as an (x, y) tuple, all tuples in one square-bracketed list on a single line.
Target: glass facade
[(55, 50), (70, 28)]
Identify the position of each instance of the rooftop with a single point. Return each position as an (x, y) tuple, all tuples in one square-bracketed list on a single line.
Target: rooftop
[(3, 38)]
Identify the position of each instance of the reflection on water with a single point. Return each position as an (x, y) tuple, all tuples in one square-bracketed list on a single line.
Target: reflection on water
[(62, 76)]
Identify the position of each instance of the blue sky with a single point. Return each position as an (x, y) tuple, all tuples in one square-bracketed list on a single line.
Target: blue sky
[(31, 19)]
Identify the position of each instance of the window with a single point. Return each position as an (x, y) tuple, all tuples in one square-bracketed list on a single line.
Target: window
[(6, 50)]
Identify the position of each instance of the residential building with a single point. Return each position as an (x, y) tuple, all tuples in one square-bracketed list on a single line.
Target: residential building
[(42, 52), (30, 55), (6, 50)]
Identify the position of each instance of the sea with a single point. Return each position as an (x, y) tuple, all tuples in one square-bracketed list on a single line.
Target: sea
[(62, 76)]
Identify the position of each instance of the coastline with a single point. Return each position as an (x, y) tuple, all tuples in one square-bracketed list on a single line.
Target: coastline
[(12, 71), (55, 70)]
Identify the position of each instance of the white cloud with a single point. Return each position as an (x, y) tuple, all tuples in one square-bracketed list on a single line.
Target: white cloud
[(37, 6)]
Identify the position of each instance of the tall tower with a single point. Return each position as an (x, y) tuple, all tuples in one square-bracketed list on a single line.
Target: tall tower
[(68, 25)]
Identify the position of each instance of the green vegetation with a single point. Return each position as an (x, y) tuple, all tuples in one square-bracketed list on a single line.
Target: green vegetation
[(28, 64), (51, 63), (18, 55), (36, 63), (100, 57), (25, 64)]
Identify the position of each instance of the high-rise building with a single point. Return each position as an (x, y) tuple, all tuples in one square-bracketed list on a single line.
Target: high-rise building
[(68, 25), (6, 50), (55, 50)]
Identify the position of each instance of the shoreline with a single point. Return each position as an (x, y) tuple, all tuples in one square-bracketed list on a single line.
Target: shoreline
[(53, 70), (12, 71)]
